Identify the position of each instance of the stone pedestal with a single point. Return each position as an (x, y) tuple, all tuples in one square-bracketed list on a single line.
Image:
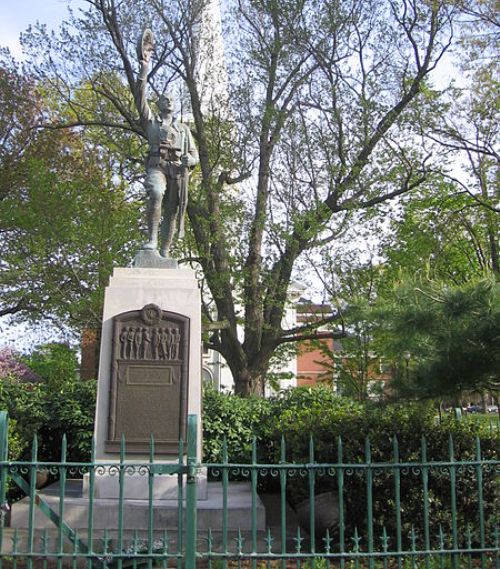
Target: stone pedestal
[(149, 371), (146, 385)]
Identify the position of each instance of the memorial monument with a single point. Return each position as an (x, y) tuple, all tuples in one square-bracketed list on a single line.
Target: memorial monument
[(150, 365), (150, 362)]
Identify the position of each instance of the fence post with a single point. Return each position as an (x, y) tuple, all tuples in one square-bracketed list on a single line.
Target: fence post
[(4, 452), (191, 529)]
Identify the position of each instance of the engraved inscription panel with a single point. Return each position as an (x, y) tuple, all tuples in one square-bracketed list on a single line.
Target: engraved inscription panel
[(149, 380), (148, 407), (149, 375)]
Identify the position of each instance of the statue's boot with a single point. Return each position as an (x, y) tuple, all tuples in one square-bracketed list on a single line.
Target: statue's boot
[(150, 245)]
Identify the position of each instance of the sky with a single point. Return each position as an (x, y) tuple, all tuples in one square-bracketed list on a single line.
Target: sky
[(17, 15)]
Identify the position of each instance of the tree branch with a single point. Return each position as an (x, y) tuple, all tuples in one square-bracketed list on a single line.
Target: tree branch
[(313, 336)]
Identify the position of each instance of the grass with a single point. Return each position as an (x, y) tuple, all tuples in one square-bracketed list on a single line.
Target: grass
[(487, 419), (435, 562)]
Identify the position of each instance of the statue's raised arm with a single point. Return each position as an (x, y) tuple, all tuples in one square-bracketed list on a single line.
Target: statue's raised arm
[(145, 48)]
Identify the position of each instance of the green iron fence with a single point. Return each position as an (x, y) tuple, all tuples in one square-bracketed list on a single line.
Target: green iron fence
[(393, 514)]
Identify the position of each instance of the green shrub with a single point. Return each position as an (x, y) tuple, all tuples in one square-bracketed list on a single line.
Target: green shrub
[(299, 413), (57, 403), (234, 419), (317, 414), (48, 413)]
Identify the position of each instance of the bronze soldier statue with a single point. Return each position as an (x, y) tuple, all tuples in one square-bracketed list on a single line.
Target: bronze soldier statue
[(172, 153)]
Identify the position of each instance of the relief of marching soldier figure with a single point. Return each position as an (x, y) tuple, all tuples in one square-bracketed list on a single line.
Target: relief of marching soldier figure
[(158, 343), (172, 153)]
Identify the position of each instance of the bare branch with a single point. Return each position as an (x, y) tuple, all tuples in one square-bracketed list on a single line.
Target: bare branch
[(18, 307)]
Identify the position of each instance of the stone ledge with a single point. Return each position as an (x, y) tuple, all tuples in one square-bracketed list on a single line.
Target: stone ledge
[(135, 513)]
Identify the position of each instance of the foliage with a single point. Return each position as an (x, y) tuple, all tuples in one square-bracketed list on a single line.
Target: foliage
[(316, 414), (15, 123), (54, 362), (468, 131), (305, 405), (451, 229), (234, 419), (65, 219), (15, 442), (60, 403), (451, 332), (301, 415), (444, 234)]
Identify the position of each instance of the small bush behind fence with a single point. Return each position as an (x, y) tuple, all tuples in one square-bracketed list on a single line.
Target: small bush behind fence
[(392, 513)]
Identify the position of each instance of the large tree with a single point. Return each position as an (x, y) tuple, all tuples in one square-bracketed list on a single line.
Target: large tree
[(324, 110), (445, 233), (469, 130), (64, 217)]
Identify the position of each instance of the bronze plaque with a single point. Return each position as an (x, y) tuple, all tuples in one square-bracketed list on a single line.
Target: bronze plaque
[(149, 381)]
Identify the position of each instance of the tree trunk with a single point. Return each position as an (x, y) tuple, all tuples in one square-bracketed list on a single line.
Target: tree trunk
[(91, 347), (249, 381), (490, 230)]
